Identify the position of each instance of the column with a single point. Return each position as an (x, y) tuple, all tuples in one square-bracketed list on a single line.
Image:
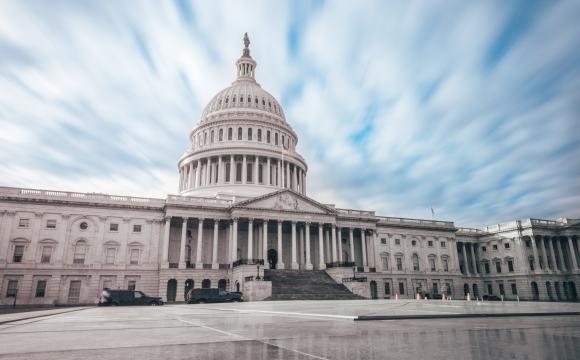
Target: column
[(265, 242), (321, 262), (233, 169), (535, 252), (294, 262), (244, 169), (304, 182), (333, 234), (563, 256), (221, 171), (363, 240), (351, 239), (473, 263), (197, 174), (300, 248), (30, 255), (465, 261), (198, 263), (256, 168), (573, 262), (308, 260), (207, 171), (229, 257), (235, 241), (339, 239), (268, 172), (165, 250), (545, 254), (552, 254), (287, 176), (295, 179), (278, 172), (191, 176), (280, 264), (214, 254), (250, 239), (182, 245), (373, 247), (327, 244)]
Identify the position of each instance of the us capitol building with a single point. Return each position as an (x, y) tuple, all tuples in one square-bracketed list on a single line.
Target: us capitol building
[(242, 208)]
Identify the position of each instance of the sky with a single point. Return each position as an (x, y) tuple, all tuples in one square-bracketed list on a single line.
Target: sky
[(469, 108)]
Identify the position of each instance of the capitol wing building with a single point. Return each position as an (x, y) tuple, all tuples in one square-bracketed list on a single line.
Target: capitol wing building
[(243, 222)]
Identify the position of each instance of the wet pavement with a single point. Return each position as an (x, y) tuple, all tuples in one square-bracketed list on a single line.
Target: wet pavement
[(295, 330)]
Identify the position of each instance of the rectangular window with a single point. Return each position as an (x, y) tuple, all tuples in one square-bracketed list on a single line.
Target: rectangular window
[(432, 264), (18, 253), (79, 255), (131, 285), (51, 224), (445, 265), (137, 228), (495, 247), (238, 172), (483, 248), (486, 266), (501, 289), (383, 241), (113, 227), (402, 288), (489, 289), (134, 257), (46, 254), (531, 263), (388, 289), (260, 171), (528, 243), (498, 266), (443, 244), (448, 289), (249, 167), (514, 289), (399, 264), (435, 288), (397, 241), (110, 256), (510, 265), (74, 291), (430, 243), (385, 263), (268, 136), (40, 288), (12, 288), (506, 245), (23, 223)]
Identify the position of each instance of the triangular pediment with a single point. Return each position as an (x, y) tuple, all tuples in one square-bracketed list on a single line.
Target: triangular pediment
[(285, 200)]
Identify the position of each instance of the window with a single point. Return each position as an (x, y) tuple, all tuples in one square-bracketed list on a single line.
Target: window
[(528, 243), (79, 253), (432, 264), (268, 136), (514, 289), (486, 266), (51, 224), (399, 264), (110, 256), (230, 133), (46, 254), (384, 241), (12, 288), (510, 265), (415, 262), (260, 174), (402, 288), (388, 289), (259, 134), (495, 247), (397, 241), (228, 169), (131, 285), (430, 243), (18, 253), (531, 262), (24, 223), (113, 227), (211, 137), (249, 167), (239, 172), (489, 289), (483, 248), (435, 288), (40, 288), (443, 244), (498, 266), (83, 225), (276, 139), (385, 260), (239, 133), (221, 135), (445, 265), (506, 245), (137, 228), (249, 133), (448, 289), (74, 291), (414, 243), (134, 257), (501, 289)]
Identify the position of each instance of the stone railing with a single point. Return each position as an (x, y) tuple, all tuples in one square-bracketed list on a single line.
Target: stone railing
[(354, 279), (335, 264), (545, 222), (415, 222), (198, 200), (75, 196), (351, 212), (471, 231)]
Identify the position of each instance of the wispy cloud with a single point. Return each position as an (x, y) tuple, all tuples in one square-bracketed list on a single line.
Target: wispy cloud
[(472, 109)]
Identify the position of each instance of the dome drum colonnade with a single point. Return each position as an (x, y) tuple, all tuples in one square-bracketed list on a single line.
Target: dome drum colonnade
[(242, 139)]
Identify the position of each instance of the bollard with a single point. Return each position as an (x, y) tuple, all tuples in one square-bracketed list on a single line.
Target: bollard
[(468, 297), (518, 297), (501, 298), (396, 296)]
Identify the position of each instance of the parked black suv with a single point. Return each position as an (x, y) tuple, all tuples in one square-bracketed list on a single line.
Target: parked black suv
[(201, 296), (130, 297)]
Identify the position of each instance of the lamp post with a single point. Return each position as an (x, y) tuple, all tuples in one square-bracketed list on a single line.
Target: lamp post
[(258, 275)]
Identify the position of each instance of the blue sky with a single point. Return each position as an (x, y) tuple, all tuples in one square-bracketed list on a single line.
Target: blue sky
[(472, 108)]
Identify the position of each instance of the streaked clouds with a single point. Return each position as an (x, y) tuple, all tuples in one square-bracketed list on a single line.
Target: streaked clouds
[(470, 108)]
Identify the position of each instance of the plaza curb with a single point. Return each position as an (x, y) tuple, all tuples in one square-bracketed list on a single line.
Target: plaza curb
[(36, 316), (462, 316)]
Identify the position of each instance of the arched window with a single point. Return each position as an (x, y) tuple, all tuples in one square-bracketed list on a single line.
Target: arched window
[(260, 171), (256, 101), (385, 261), (432, 263), (259, 134), (239, 133), (211, 137), (228, 169), (79, 252), (230, 133), (249, 100), (276, 139), (241, 99), (206, 284), (221, 136), (416, 262), (249, 133), (227, 99), (222, 283), (268, 136), (249, 171), (204, 138), (239, 172)]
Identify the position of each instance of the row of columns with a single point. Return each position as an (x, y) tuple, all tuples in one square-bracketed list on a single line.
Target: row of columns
[(557, 254), (329, 242), (275, 172), (473, 253)]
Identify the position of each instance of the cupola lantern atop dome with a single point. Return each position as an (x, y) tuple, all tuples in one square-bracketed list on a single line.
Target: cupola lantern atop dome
[(246, 65)]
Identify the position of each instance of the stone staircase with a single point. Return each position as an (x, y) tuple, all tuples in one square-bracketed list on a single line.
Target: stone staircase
[(306, 285)]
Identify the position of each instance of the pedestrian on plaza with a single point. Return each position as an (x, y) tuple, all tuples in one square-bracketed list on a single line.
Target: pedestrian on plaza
[(105, 298)]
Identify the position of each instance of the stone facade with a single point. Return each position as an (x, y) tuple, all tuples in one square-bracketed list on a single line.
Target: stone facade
[(242, 203)]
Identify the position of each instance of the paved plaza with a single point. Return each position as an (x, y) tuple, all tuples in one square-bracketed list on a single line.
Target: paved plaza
[(294, 330)]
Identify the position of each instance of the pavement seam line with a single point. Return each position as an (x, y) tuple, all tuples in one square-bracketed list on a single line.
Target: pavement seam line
[(250, 339), (349, 317)]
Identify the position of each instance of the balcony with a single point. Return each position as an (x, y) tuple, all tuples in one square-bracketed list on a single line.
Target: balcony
[(247, 262)]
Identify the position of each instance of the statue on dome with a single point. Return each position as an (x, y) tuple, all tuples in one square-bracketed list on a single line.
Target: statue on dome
[(246, 44)]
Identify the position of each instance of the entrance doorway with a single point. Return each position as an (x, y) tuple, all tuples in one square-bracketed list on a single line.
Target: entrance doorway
[(535, 291), (374, 290), (272, 258), (171, 289), (222, 284), (188, 286), (573, 293)]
